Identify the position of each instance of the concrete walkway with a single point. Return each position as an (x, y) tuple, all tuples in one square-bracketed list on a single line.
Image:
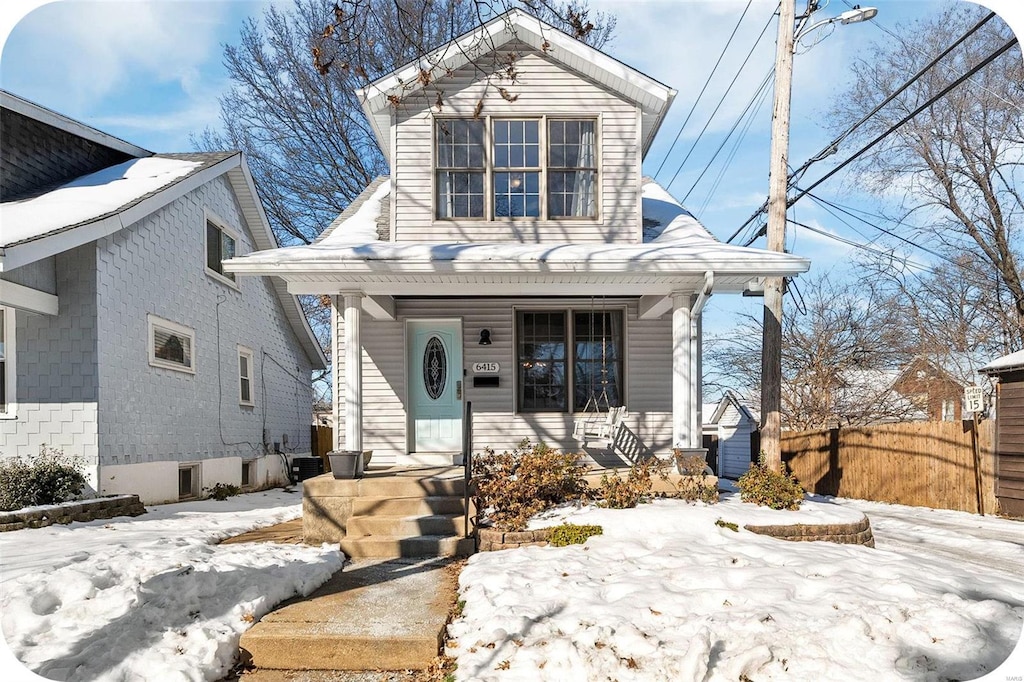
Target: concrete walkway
[(373, 615)]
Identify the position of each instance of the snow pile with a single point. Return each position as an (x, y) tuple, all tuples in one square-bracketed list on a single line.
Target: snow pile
[(89, 197), (666, 594), (151, 597)]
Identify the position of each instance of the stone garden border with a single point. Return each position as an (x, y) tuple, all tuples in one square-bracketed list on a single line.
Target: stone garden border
[(858, 533), (82, 510)]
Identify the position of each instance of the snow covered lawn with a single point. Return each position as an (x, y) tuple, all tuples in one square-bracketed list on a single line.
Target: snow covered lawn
[(151, 597), (666, 594)]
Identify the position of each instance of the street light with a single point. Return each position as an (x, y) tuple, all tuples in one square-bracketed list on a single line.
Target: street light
[(778, 189)]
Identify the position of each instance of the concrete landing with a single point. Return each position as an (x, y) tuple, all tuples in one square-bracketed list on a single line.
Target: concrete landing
[(373, 615)]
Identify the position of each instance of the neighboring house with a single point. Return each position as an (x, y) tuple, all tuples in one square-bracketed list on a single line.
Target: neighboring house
[(731, 426), (515, 257), (122, 339), (1009, 370)]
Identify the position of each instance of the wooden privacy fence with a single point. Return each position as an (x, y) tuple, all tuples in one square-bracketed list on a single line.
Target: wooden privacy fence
[(321, 440), (925, 464)]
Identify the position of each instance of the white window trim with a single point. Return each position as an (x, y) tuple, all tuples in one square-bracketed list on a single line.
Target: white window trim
[(569, 310), (11, 369), (243, 351), (489, 169), (211, 217), (154, 361)]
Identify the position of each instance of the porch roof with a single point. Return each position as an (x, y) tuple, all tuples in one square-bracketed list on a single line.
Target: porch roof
[(676, 255)]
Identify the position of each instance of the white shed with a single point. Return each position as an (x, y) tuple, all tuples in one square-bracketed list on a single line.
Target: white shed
[(733, 424)]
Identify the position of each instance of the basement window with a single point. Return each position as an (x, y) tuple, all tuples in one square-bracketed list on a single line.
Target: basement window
[(188, 481)]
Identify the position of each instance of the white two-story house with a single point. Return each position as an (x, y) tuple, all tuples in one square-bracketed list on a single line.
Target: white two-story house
[(515, 258)]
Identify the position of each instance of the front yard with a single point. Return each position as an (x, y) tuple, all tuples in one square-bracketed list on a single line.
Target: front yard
[(663, 594)]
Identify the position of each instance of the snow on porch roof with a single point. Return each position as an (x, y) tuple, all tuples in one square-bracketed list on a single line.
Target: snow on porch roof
[(674, 243), (1007, 363)]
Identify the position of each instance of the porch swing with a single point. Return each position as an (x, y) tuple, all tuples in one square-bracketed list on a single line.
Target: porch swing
[(599, 420)]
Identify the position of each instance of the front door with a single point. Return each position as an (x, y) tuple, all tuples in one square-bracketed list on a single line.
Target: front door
[(435, 385)]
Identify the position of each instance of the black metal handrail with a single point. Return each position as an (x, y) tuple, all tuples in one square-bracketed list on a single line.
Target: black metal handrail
[(467, 462)]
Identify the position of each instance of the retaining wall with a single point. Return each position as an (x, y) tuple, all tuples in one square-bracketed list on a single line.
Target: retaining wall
[(85, 510)]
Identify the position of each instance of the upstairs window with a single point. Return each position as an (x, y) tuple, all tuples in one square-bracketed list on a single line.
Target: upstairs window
[(516, 168), (220, 246)]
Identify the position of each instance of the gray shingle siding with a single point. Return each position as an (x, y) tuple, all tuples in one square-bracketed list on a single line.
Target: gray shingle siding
[(37, 155), (149, 414), (57, 388)]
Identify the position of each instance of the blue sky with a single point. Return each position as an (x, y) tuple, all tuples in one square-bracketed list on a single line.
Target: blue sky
[(150, 72)]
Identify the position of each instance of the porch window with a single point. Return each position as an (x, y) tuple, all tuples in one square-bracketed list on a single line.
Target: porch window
[(563, 353), (7, 369), (534, 168)]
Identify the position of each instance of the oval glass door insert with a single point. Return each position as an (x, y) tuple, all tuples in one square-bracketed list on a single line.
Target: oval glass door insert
[(435, 368)]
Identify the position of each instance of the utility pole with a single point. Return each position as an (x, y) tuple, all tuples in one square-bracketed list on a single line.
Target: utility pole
[(778, 188)]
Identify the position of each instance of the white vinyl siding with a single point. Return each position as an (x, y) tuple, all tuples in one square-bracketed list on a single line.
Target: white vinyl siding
[(544, 89), (648, 375), (171, 345)]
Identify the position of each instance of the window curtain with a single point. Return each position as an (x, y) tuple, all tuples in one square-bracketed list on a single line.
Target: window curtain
[(583, 186)]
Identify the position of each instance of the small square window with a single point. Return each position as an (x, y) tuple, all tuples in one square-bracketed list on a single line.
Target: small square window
[(188, 481), (245, 356), (248, 473), (171, 345), (220, 246)]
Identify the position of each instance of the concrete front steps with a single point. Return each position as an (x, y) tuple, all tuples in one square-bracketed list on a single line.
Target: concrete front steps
[(395, 513)]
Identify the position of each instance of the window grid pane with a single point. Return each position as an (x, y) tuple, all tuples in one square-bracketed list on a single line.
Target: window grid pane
[(542, 357), (597, 359), (460, 194), (460, 144)]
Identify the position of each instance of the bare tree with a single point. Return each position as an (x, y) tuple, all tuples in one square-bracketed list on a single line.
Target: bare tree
[(840, 355), (955, 167)]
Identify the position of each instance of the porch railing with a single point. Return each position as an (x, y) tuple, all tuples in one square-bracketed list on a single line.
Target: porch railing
[(467, 464)]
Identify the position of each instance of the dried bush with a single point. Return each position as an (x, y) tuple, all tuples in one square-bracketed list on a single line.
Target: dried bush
[(618, 493), (531, 478), (571, 534), (49, 478), (222, 491), (766, 487)]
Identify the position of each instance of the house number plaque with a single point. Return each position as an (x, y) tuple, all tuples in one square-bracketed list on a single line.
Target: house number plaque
[(485, 368)]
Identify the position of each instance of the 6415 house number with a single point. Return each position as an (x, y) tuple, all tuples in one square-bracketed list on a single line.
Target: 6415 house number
[(485, 368)]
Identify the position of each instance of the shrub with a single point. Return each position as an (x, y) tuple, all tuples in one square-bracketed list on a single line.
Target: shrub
[(727, 524), (49, 478), (222, 491), (516, 485), (694, 488), (766, 487), (571, 534), (619, 493)]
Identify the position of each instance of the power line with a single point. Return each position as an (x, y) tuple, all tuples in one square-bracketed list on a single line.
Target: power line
[(877, 24), (720, 101), (706, 84), (893, 128), (857, 245), (762, 89), (831, 147)]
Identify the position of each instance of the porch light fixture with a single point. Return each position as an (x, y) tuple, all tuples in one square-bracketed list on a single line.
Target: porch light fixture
[(485, 337)]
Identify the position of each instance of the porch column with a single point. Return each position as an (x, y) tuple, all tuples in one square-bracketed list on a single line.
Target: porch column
[(685, 375), (353, 373)]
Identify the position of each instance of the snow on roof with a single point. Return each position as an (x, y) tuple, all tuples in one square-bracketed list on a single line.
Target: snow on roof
[(673, 238), (1005, 364), (88, 197)]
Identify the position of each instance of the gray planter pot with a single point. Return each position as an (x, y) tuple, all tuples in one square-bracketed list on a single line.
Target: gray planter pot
[(346, 463)]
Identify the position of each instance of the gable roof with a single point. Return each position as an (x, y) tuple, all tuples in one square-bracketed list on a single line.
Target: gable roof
[(1008, 363), (653, 97), (8, 100), (98, 204)]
